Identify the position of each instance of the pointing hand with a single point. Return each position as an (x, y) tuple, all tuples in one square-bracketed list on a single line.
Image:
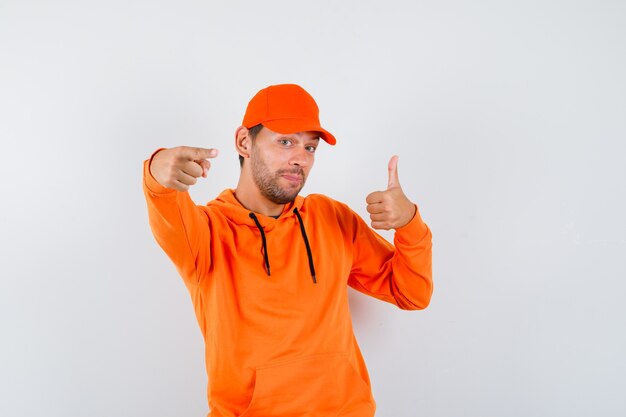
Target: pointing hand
[(390, 209), (178, 168)]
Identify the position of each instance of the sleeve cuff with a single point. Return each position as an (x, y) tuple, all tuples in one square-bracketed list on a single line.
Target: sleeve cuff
[(414, 231)]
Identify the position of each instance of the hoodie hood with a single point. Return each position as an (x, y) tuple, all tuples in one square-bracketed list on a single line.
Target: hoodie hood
[(228, 205)]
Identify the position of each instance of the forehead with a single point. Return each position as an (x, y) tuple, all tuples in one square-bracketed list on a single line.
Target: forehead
[(307, 135)]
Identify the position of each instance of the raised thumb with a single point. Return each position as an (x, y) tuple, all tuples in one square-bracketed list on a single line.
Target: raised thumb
[(394, 181)]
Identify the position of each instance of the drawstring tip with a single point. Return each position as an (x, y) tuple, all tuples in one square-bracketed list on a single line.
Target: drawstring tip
[(314, 279)]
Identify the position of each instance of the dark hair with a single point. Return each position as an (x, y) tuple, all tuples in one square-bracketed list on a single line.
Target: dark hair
[(252, 132)]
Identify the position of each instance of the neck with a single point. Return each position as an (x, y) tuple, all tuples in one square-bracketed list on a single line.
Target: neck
[(248, 194)]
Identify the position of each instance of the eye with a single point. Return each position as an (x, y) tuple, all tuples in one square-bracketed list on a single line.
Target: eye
[(284, 142), (311, 149)]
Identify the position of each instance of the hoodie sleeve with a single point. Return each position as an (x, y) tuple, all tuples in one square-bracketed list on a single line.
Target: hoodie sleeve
[(400, 274), (179, 226)]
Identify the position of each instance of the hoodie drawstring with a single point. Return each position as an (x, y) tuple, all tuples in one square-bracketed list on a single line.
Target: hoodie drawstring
[(258, 225), (306, 243), (304, 237)]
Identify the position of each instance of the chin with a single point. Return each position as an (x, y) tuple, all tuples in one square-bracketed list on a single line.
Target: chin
[(287, 196)]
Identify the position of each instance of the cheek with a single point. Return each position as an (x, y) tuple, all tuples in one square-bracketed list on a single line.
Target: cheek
[(275, 160), (308, 167)]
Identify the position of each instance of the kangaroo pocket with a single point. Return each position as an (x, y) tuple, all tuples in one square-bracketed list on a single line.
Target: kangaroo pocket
[(320, 386)]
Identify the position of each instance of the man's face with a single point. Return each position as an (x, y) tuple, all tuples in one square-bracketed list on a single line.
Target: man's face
[(280, 163)]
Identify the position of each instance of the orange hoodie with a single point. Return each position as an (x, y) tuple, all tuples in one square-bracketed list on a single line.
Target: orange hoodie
[(272, 299)]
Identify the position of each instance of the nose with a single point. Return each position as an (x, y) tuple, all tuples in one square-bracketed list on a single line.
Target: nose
[(300, 157)]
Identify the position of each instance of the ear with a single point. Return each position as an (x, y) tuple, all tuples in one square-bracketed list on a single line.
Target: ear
[(242, 141)]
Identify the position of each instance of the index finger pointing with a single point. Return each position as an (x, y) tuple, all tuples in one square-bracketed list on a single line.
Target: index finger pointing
[(204, 153), (196, 154)]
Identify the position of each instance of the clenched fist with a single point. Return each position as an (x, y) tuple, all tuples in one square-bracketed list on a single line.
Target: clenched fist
[(390, 209), (179, 168)]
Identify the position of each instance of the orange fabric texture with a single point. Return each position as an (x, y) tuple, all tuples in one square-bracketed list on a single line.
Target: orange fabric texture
[(282, 345)]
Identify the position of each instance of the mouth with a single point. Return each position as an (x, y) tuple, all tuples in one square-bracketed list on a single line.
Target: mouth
[(295, 178)]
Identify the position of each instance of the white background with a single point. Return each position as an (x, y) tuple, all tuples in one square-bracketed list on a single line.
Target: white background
[(510, 122)]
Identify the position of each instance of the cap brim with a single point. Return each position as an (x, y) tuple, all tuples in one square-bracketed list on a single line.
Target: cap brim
[(286, 126)]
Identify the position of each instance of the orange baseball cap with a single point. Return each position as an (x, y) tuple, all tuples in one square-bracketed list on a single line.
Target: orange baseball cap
[(286, 108)]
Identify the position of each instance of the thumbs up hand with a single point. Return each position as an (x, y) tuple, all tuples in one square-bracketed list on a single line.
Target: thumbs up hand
[(179, 168), (390, 209)]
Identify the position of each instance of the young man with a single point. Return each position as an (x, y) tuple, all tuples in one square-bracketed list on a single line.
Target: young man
[(268, 270)]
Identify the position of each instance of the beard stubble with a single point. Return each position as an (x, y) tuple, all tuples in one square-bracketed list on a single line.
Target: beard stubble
[(268, 182)]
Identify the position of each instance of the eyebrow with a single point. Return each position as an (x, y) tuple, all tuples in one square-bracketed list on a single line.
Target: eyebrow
[(294, 136)]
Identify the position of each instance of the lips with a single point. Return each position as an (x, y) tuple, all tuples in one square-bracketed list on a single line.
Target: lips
[(292, 177)]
